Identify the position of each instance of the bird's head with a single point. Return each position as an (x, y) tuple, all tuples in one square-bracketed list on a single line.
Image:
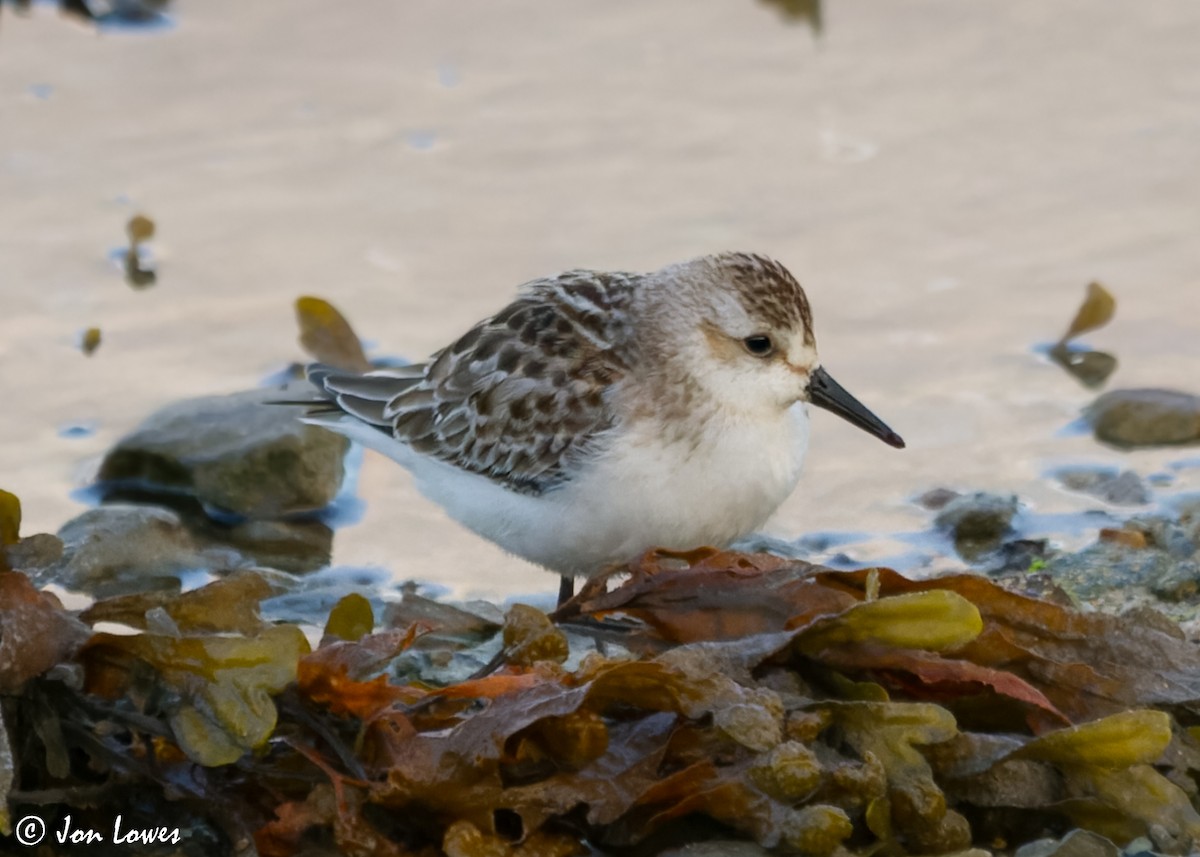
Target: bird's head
[(740, 326)]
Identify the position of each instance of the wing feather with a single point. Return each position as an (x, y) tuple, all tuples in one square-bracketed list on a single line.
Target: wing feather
[(521, 397)]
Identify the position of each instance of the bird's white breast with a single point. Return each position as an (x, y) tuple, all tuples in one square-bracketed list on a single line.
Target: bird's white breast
[(707, 490), (643, 491)]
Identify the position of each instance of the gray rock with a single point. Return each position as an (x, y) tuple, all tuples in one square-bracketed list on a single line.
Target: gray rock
[(1092, 368), (1149, 617), (1121, 489), (717, 848), (35, 552), (1180, 582), (120, 548), (1012, 783), (1165, 535), (936, 498), (235, 453), (1189, 517), (295, 546), (978, 516), (1077, 843), (1146, 417), (977, 521), (1017, 555), (114, 550), (1105, 568)]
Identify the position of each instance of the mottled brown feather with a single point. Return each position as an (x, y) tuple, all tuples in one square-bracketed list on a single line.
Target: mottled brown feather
[(493, 402)]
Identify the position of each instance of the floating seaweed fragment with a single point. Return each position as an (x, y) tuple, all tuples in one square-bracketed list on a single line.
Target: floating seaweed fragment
[(1091, 368), (139, 267), (327, 336), (90, 341), (801, 11)]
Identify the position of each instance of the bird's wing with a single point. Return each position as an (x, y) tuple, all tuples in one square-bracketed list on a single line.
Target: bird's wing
[(519, 397)]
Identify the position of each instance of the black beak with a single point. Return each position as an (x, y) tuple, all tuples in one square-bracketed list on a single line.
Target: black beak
[(824, 392)]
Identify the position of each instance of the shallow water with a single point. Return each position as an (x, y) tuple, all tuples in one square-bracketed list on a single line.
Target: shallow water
[(944, 178)]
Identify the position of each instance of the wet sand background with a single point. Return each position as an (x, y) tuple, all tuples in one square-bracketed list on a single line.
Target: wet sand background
[(944, 178)]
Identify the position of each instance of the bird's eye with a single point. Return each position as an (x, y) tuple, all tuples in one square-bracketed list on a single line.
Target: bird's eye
[(759, 345)]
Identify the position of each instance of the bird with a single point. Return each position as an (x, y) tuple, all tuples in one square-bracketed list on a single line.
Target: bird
[(601, 414)]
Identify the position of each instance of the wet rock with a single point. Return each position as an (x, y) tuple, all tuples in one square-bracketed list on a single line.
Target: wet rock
[(1012, 782), (1181, 582), (1091, 368), (448, 619), (1164, 534), (1037, 585), (977, 521), (1189, 518), (936, 498), (1146, 417), (32, 553), (235, 453), (120, 11), (115, 550), (1111, 575), (978, 516), (297, 546), (798, 549), (1147, 563), (1077, 843), (717, 848), (1123, 488), (1148, 617), (1018, 555), (309, 599)]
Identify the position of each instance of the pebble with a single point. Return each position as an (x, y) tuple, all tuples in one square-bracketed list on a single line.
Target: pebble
[(1123, 488), (978, 521), (1145, 417), (1077, 843), (235, 453), (117, 549)]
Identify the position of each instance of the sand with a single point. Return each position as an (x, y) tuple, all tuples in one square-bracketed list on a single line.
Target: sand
[(944, 178)]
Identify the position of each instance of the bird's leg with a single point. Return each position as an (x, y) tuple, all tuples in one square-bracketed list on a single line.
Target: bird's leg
[(566, 589)]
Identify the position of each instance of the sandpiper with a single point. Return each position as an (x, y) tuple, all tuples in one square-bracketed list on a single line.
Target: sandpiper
[(601, 414)]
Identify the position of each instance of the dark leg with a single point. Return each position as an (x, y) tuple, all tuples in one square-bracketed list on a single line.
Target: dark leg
[(566, 589)]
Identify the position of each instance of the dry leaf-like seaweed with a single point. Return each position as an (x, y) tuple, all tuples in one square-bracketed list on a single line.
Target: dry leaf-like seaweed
[(8, 766), (336, 673), (529, 636), (708, 594), (937, 621), (228, 604), (221, 685), (835, 712), (35, 632), (139, 228), (1096, 311), (10, 518), (136, 274), (351, 619)]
